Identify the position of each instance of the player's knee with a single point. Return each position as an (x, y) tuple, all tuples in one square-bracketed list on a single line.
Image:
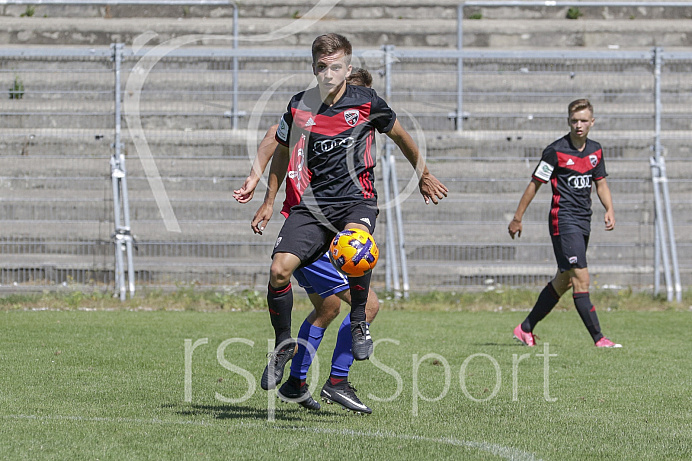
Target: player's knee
[(279, 276), (329, 311)]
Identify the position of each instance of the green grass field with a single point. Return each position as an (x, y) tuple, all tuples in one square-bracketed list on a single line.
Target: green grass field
[(445, 385)]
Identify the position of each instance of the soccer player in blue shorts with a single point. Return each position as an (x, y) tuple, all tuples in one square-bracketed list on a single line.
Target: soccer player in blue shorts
[(571, 164), (331, 128), (325, 287)]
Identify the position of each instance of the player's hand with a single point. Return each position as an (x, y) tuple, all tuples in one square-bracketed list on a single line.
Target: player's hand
[(431, 188), (609, 220), (514, 228), (262, 217), (247, 190)]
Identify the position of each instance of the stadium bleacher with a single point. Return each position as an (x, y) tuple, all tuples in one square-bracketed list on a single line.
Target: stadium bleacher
[(56, 196)]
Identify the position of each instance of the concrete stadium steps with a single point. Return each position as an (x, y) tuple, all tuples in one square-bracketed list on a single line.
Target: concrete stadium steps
[(364, 31), (222, 207), (486, 167), (253, 273), (485, 233), (442, 277), (517, 80), (431, 276), (355, 9), (204, 118), (234, 252), (514, 80), (215, 115), (482, 145), (221, 187)]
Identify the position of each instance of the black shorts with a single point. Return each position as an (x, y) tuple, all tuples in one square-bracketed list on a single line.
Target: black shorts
[(570, 250), (307, 234)]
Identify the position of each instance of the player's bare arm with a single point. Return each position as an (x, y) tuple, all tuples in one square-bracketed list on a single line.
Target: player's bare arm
[(265, 151), (606, 199), (430, 187), (515, 227), (277, 173)]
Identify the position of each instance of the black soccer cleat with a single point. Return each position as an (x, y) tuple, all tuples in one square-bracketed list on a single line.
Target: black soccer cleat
[(292, 391), (344, 395), (361, 345), (278, 360)]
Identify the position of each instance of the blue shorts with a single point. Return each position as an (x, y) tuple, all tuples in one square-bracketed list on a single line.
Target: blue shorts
[(321, 277)]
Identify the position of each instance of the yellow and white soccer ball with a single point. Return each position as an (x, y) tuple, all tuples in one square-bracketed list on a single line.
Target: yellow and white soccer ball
[(353, 252)]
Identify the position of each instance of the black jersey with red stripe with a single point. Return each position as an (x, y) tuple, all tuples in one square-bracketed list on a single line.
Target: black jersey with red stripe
[(571, 174), (335, 144)]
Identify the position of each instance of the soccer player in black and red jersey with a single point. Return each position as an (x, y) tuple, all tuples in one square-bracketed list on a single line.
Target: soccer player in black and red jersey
[(332, 127), (571, 164), (324, 285)]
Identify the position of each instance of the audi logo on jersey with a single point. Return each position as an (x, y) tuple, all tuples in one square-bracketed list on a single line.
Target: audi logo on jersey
[(579, 182), (328, 145)]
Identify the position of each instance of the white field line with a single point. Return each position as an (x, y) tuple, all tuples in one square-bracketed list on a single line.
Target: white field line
[(501, 451)]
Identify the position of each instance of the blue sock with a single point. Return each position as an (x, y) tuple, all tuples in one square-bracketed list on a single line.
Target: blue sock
[(303, 359), (343, 357)]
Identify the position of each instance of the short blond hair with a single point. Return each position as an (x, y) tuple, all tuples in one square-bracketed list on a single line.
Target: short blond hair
[(577, 105)]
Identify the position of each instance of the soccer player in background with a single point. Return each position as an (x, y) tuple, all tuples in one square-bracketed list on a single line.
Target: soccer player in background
[(331, 127), (325, 287), (571, 164)]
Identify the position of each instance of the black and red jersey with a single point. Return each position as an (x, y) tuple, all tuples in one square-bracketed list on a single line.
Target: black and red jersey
[(333, 147), (571, 174)]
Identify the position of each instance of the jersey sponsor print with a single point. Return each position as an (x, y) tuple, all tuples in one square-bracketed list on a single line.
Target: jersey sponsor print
[(333, 147)]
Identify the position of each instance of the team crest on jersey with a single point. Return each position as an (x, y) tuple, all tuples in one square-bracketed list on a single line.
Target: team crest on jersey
[(594, 160), (352, 116)]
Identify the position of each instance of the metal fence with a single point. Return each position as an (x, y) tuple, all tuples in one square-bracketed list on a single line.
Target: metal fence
[(190, 130)]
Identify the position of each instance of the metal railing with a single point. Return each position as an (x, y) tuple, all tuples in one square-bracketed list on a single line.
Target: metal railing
[(58, 209)]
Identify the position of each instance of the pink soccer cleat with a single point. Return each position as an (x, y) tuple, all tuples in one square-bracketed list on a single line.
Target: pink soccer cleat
[(525, 338), (605, 342)]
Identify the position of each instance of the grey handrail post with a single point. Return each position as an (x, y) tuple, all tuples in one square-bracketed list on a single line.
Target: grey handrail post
[(235, 66), (392, 269), (388, 49), (391, 278), (662, 199), (122, 237), (655, 172), (658, 223), (460, 68), (671, 231)]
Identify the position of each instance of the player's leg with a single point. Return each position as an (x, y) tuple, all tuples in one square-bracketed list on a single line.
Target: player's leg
[(586, 309), (280, 305), (359, 288), (574, 249), (300, 239), (582, 302), (337, 388), (548, 297), (280, 294), (320, 280), (311, 333)]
